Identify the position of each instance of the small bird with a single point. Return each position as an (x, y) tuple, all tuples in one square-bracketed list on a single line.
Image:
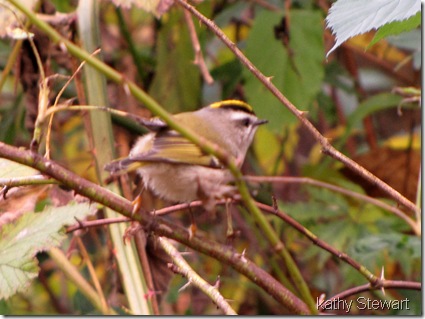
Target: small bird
[(176, 169)]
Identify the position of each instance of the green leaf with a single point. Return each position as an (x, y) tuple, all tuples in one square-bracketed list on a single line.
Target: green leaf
[(296, 71), (30, 234), (229, 76), (372, 250), (322, 204), (176, 83), (396, 27), (268, 148)]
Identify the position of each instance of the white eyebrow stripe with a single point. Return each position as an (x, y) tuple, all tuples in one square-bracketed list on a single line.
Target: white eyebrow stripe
[(241, 115)]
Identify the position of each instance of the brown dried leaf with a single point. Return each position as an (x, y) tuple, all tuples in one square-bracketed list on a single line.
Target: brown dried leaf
[(397, 168)]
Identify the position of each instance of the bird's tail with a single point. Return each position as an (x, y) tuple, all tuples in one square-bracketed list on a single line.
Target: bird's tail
[(122, 165)]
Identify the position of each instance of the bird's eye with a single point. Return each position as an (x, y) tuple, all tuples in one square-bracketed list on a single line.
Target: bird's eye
[(246, 122)]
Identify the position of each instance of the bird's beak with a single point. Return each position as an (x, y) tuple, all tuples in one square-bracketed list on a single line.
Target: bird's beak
[(260, 122)]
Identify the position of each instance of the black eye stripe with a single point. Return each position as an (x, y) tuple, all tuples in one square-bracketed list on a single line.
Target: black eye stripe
[(246, 121)]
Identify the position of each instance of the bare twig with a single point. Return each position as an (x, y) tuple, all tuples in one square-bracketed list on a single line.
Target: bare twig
[(199, 58), (160, 212), (182, 267), (327, 148), (55, 104), (374, 280)]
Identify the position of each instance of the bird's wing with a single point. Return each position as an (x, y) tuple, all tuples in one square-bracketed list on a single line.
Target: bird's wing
[(170, 147)]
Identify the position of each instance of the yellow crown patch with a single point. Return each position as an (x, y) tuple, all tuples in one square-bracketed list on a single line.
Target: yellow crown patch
[(233, 104)]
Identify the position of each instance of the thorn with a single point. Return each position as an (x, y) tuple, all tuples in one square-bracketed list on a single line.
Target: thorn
[(242, 256), (217, 282), (239, 161), (137, 202), (4, 190), (192, 231), (269, 78), (186, 253), (126, 238), (173, 268), (130, 232), (63, 47), (193, 228), (184, 286), (81, 225), (303, 113), (126, 89)]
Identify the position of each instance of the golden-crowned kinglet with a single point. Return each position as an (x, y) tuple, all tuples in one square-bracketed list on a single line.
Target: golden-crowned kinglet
[(177, 170)]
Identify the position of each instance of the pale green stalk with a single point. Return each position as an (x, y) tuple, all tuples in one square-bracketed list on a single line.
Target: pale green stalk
[(103, 142)]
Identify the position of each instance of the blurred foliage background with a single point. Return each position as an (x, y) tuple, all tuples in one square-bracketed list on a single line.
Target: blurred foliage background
[(357, 98)]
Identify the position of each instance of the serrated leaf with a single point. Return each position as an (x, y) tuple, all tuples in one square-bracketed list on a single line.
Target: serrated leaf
[(9, 169), (348, 18), (30, 234), (396, 27), (402, 248)]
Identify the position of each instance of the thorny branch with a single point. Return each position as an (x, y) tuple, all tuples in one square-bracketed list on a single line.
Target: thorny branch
[(199, 58), (156, 225), (327, 148), (182, 267), (374, 280)]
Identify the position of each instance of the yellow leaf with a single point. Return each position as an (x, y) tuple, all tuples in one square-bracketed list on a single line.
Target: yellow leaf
[(268, 147)]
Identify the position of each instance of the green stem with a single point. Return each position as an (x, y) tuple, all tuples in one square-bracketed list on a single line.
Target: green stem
[(101, 137)]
